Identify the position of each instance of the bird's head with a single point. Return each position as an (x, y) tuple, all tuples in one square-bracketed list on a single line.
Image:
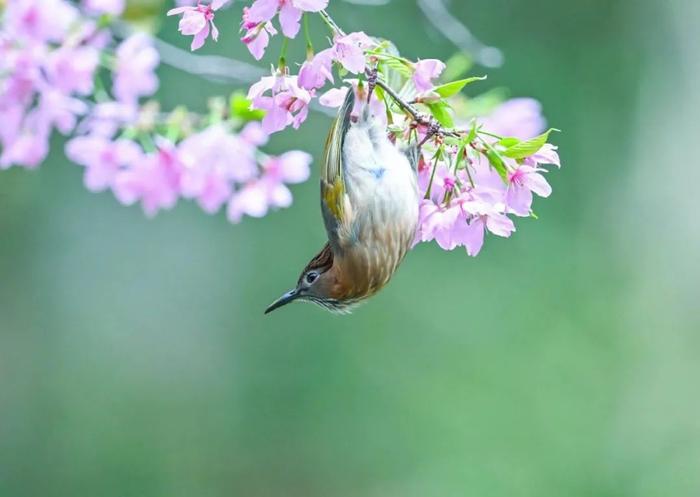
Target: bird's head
[(317, 283)]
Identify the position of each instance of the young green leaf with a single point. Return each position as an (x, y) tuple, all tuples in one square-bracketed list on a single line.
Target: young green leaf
[(397, 65), (509, 141), (440, 111), (497, 163), (240, 108), (449, 89), (473, 132), (526, 148)]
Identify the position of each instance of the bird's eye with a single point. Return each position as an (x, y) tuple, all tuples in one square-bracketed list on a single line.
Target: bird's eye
[(311, 277)]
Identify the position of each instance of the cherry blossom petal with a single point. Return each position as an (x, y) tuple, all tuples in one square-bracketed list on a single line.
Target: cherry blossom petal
[(263, 10), (310, 5), (290, 18)]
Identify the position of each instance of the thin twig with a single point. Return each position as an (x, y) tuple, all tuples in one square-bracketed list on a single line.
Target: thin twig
[(407, 107)]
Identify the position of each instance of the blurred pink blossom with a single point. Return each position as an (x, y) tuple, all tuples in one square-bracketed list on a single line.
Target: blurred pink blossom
[(103, 159), (111, 7), (56, 109), (519, 117), (134, 74), (154, 181), (269, 191), (39, 20), (106, 118), (208, 168), (72, 69), (28, 148)]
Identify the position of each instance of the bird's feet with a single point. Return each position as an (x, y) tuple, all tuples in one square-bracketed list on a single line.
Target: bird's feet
[(372, 77)]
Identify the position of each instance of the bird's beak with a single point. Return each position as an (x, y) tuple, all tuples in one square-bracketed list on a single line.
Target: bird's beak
[(285, 299)]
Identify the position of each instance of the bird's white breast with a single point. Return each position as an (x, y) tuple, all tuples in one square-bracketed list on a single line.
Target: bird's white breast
[(381, 187)]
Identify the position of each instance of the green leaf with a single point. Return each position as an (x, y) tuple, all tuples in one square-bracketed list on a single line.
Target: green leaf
[(450, 89), (240, 108), (526, 148), (397, 65), (509, 141), (457, 66), (497, 163), (440, 111), (460, 156), (473, 131)]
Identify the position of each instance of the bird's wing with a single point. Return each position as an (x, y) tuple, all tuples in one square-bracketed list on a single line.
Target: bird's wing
[(334, 202)]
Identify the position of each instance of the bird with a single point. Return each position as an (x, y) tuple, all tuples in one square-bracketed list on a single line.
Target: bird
[(369, 204)]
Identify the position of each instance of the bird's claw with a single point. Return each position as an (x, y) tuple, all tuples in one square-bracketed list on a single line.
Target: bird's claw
[(372, 77)]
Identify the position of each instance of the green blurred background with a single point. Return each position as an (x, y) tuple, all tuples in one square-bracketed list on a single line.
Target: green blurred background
[(135, 359)]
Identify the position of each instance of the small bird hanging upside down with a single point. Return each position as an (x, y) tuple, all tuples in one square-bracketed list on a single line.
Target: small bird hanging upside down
[(369, 202)]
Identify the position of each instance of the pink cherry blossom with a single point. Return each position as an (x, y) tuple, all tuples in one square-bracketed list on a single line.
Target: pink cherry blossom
[(425, 72), (257, 35), (546, 155), (484, 217), (103, 159), (523, 181), (288, 104), (349, 51), (290, 12), (315, 72), (134, 74), (198, 21), (442, 224)]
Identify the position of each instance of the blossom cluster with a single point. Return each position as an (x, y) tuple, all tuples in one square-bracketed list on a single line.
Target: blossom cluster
[(200, 167), (470, 188), (62, 69), (477, 171), (54, 57)]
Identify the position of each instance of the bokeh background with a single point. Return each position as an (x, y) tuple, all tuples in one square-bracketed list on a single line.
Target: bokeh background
[(135, 359)]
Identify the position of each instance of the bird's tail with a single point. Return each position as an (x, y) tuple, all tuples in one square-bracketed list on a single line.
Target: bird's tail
[(336, 136)]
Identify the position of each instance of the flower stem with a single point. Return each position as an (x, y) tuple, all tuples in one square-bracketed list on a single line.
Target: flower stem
[(283, 55), (331, 23), (307, 35)]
